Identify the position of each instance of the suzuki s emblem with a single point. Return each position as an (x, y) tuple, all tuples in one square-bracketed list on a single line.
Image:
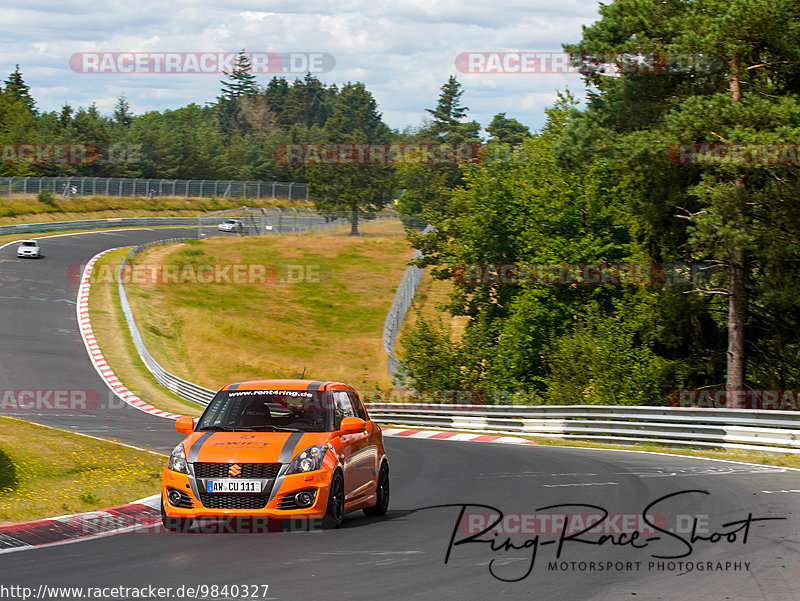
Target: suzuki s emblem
[(234, 470)]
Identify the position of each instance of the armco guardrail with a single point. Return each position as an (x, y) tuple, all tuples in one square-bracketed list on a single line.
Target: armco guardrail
[(283, 220), (94, 224), (183, 388), (773, 431)]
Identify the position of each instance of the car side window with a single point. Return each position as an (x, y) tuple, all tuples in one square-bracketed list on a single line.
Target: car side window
[(357, 406), (342, 407)]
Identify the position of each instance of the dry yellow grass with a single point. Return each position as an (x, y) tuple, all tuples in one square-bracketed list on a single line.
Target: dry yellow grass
[(330, 325), (431, 294), (25, 209), (111, 332)]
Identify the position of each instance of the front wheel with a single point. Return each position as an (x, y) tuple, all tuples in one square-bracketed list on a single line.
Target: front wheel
[(382, 493), (334, 515)]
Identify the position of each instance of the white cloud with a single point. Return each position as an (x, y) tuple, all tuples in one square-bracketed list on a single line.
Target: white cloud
[(402, 51)]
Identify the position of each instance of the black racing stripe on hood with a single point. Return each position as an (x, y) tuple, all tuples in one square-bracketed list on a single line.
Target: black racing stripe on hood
[(287, 452), (194, 451)]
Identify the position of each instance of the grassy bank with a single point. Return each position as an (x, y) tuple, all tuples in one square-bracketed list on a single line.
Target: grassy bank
[(26, 209), (46, 472), (324, 314)]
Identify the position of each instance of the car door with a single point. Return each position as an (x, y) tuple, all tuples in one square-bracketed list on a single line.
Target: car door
[(355, 449), (371, 462)]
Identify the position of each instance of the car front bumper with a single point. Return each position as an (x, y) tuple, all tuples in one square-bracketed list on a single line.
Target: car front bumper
[(279, 490)]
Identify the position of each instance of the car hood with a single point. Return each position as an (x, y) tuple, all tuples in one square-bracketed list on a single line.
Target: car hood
[(249, 447)]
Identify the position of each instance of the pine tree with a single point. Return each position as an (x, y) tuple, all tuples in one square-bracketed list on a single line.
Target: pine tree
[(122, 112), (19, 90), (354, 120), (241, 81)]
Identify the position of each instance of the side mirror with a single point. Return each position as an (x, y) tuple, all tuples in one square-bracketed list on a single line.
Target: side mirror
[(184, 425), (352, 425)]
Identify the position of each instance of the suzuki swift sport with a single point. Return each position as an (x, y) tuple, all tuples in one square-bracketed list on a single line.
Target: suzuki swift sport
[(277, 449)]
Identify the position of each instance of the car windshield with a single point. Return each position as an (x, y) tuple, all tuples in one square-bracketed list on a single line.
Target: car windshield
[(230, 221), (29, 243), (267, 411)]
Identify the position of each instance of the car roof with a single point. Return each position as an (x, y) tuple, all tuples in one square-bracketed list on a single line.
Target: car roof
[(286, 384), (23, 241)]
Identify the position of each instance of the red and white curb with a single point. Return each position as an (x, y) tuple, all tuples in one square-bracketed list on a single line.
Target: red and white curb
[(456, 436), (143, 515), (99, 362)]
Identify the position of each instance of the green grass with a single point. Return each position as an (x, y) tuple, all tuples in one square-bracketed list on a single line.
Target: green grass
[(46, 472)]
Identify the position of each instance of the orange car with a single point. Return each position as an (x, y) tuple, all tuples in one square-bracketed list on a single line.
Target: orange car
[(277, 449)]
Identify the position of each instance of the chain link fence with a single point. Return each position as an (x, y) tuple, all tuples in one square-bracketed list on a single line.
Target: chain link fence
[(397, 312), (120, 186)]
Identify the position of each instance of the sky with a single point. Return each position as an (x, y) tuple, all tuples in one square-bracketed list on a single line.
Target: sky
[(403, 51)]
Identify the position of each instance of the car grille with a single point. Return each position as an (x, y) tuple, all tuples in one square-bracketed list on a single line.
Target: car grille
[(233, 501), (249, 470)]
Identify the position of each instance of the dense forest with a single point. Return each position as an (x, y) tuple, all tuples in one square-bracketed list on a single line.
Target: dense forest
[(692, 161), (682, 163)]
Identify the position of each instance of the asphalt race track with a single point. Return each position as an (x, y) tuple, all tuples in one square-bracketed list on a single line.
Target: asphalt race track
[(736, 553)]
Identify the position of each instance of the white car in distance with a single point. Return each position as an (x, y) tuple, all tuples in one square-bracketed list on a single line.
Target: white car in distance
[(231, 225), (29, 249)]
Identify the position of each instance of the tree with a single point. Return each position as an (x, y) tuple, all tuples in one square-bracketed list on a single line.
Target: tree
[(122, 112), (507, 131), (65, 115), (747, 95), (354, 120), (449, 113), (18, 90), (240, 81), (307, 102), (427, 184), (240, 84)]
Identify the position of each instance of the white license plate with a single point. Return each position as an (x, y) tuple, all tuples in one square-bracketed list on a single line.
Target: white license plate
[(233, 486)]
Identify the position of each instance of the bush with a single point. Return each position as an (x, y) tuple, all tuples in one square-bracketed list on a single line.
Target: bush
[(601, 363), (46, 197), (431, 360)]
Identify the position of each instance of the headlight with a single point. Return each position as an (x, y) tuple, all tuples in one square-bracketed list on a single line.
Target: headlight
[(308, 460), (177, 461)]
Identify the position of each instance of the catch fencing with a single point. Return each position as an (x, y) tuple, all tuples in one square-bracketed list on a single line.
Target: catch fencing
[(403, 298), (256, 220), (144, 187)]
